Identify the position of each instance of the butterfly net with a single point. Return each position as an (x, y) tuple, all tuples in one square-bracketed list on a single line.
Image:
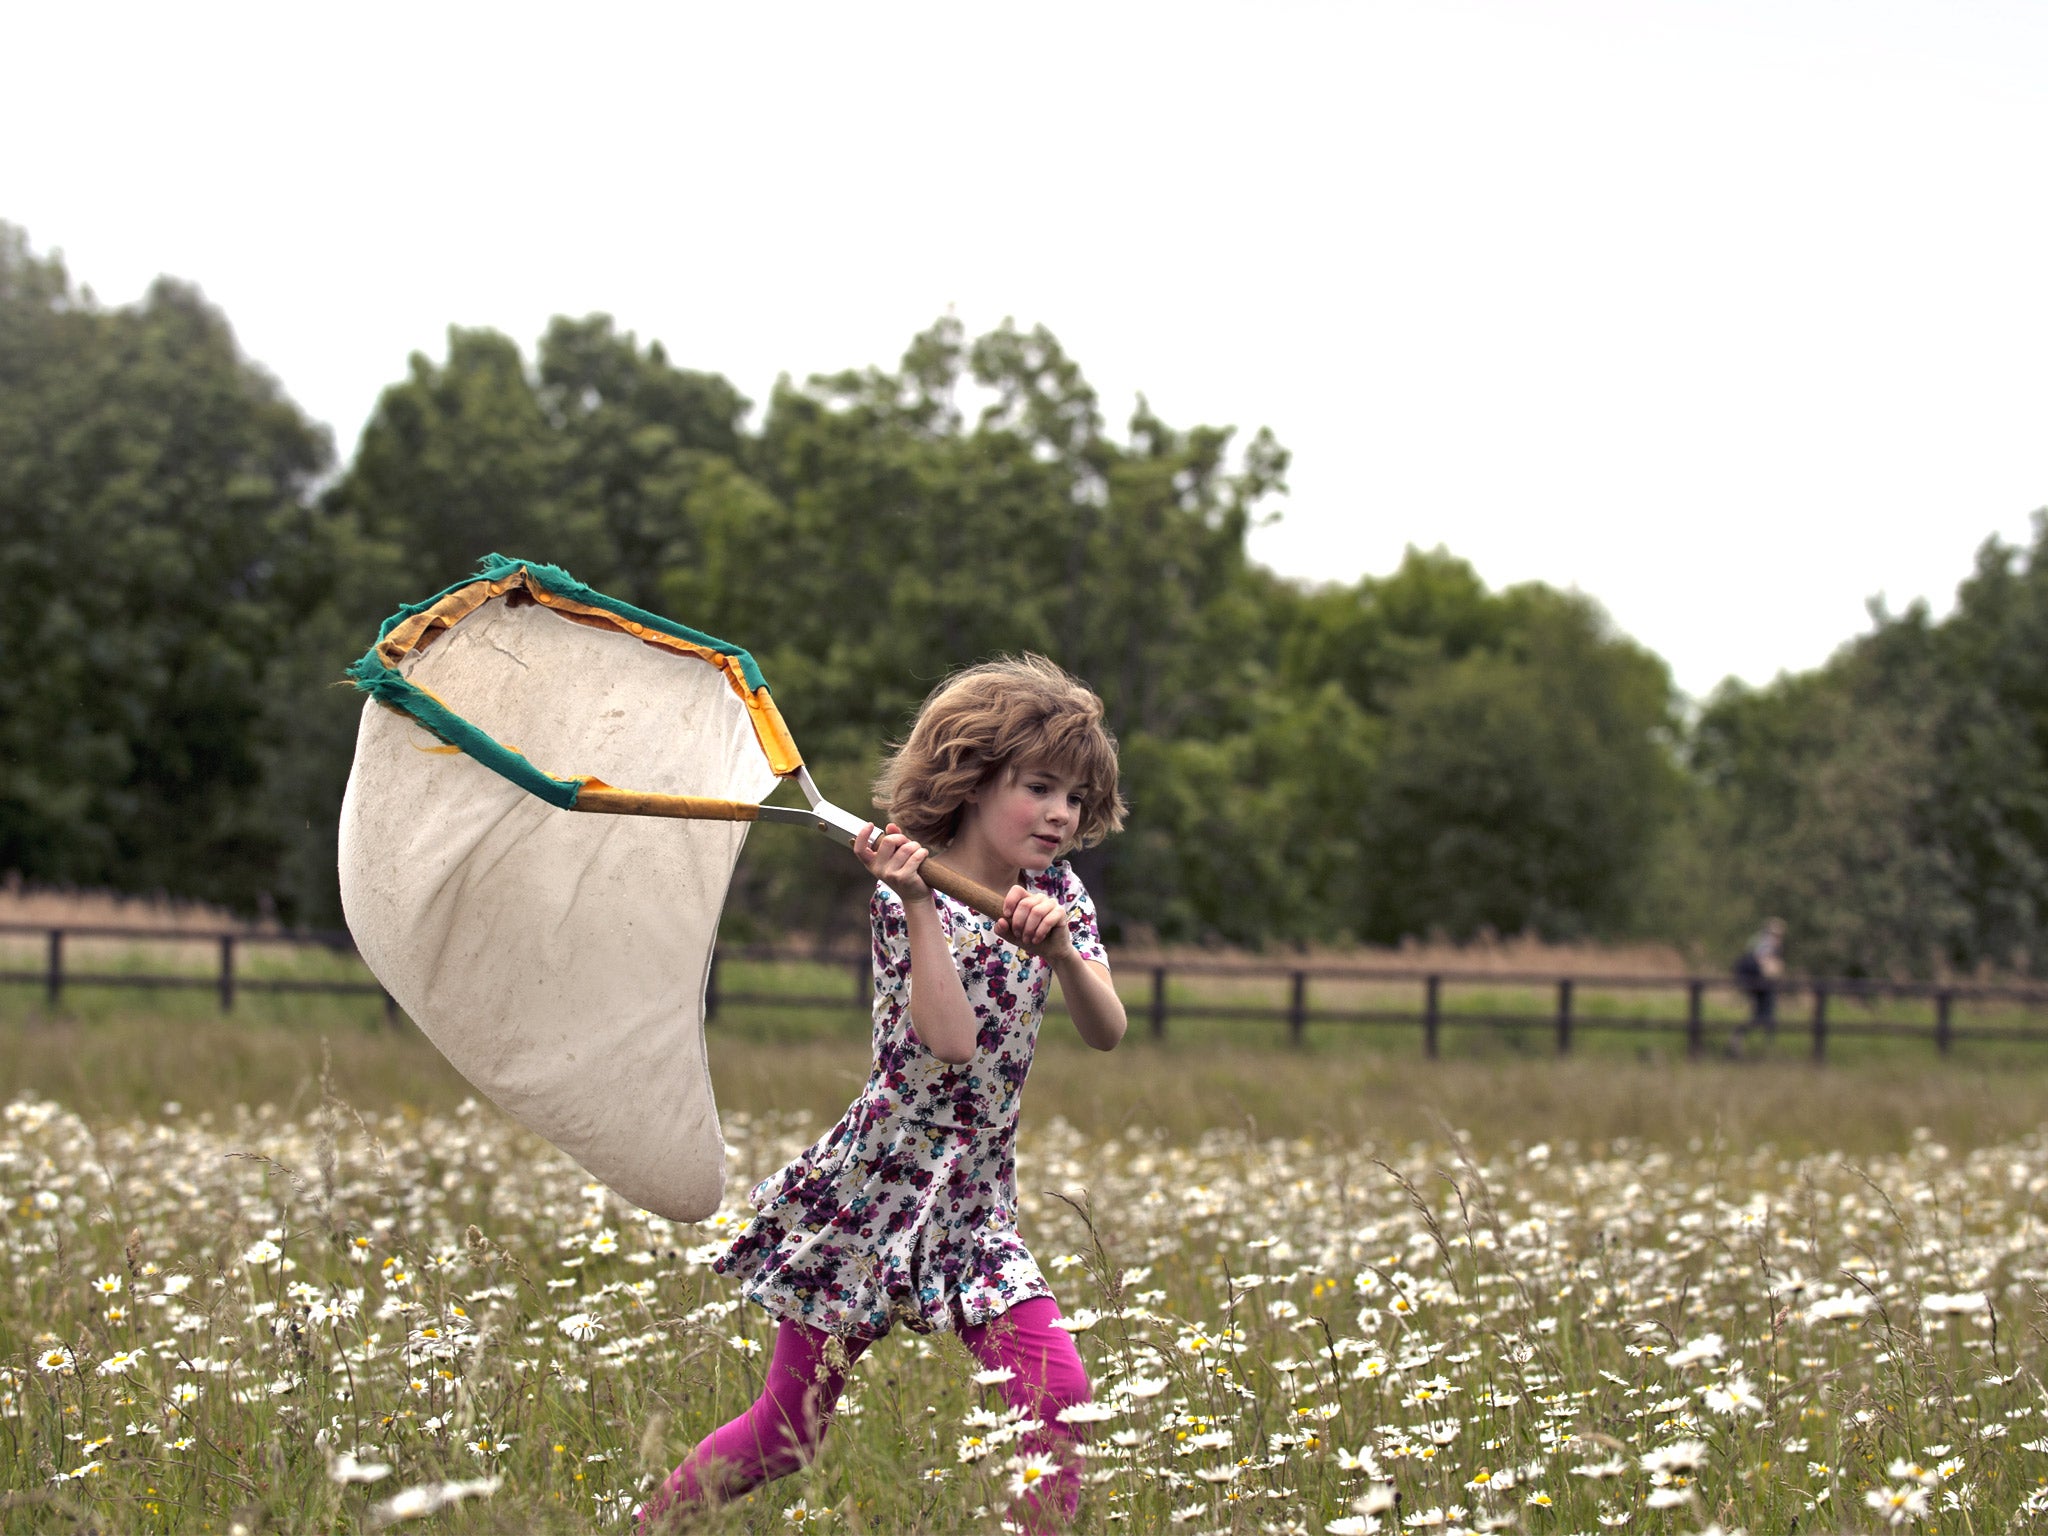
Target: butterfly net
[(559, 961)]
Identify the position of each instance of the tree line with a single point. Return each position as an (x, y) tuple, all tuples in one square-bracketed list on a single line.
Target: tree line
[(189, 566)]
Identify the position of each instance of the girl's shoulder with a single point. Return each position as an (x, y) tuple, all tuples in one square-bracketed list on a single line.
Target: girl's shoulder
[(1059, 881), (886, 916), (1084, 926)]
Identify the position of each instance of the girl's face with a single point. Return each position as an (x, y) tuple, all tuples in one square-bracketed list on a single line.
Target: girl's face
[(1020, 819)]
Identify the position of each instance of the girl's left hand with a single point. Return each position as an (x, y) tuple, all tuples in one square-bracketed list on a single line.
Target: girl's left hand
[(1035, 923)]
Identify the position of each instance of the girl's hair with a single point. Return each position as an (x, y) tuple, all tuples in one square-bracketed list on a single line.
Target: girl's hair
[(1012, 713)]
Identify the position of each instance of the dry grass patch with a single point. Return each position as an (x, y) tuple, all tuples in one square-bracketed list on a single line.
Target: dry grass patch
[(1342, 1090)]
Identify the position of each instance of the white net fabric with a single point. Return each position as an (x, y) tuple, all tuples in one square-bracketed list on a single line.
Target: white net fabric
[(559, 959)]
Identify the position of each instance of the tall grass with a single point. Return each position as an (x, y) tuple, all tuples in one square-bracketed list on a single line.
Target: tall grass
[(1520, 1295), (119, 1060)]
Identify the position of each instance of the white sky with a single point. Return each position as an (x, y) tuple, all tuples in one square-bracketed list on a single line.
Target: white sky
[(1732, 315)]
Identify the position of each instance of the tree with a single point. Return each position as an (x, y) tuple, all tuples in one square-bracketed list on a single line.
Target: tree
[(1409, 752), (905, 542), (1521, 758), (151, 480), (1893, 805), (460, 460)]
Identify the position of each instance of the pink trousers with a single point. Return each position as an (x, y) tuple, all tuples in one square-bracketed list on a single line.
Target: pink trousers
[(783, 1429)]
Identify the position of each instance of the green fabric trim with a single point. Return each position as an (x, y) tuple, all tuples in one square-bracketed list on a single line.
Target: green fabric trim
[(555, 579), (383, 684), (387, 687)]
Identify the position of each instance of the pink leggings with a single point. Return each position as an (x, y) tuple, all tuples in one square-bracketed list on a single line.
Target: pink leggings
[(782, 1431)]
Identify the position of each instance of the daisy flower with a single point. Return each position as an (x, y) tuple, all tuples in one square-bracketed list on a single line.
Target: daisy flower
[(1735, 1395), (1898, 1505), (1087, 1413), (1708, 1346), (1678, 1456), (1027, 1472)]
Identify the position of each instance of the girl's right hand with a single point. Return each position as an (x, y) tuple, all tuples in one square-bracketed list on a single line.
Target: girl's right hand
[(893, 859)]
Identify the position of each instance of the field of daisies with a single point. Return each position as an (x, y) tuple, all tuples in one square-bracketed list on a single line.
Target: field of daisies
[(252, 1323)]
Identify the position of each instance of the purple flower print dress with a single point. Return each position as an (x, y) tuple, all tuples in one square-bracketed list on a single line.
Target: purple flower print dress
[(906, 1210)]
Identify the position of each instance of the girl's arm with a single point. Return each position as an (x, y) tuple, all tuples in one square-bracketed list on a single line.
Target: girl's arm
[(1038, 923), (1092, 1003), (939, 1010)]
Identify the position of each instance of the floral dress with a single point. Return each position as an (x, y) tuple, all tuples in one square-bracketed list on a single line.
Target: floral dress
[(906, 1209)]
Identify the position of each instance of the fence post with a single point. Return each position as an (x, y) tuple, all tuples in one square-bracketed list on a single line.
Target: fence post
[(390, 1010), (1432, 1014), (227, 972), (53, 983), (1695, 1018), (864, 983), (1944, 1028), (1158, 1002), (1297, 1008), (1820, 1023), (711, 989), (1564, 1016)]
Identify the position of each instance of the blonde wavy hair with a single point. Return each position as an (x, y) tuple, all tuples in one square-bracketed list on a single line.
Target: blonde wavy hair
[(1003, 716)]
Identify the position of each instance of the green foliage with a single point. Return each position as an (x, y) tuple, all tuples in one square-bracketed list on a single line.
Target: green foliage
[(153, 484), (1409, 753), (1893, 805), (1512, 765)]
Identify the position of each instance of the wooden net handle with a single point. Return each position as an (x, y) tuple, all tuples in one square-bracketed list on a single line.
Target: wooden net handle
[(605, 799), (972, 893)]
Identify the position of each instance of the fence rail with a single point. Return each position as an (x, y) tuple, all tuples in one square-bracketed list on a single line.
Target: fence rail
[(1758, 1005), (1566, 1019), (226, 980)]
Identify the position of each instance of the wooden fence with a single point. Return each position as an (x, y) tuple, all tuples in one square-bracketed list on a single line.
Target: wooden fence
[(1820, 1009), (1433, 1014), (224, 978)]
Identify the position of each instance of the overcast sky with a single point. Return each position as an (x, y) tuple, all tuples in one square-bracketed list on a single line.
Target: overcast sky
[(1731, 315)]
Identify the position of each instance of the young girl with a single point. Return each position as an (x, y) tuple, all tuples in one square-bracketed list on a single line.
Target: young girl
[(906, 1210)]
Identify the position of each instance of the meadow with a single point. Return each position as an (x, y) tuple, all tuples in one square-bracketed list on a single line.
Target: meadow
[(280, 1272)]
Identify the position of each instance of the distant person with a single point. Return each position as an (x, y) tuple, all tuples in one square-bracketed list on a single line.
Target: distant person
[(1757, 973)]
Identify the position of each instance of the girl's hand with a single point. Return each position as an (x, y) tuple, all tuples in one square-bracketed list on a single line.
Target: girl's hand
[(893, 859), (1035, 923)]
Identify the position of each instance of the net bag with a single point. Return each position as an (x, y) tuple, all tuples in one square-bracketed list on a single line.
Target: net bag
[(560, 961)]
